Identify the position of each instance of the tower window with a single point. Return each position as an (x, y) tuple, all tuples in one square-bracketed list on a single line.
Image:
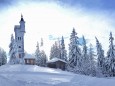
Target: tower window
[(18, 38), (19, 46)]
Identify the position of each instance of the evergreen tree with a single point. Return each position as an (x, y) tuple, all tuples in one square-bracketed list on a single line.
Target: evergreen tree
[(84, 49), (92, 68), (85, 59), (52, 55), (41, 42), (63, 51), (43, 58), (13, 52), (3, 57), (74, 52), (55, 50), (111, 57), (100, 57), (38, 55)]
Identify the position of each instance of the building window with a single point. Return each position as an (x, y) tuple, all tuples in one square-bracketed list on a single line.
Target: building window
[(18, 38), (19, 46)]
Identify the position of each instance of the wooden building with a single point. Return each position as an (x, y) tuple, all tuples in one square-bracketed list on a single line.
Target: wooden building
[(29, 59), (56, 63)]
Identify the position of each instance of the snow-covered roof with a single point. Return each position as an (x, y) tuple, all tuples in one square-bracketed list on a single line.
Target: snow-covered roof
[(29, 56), (55, 60)]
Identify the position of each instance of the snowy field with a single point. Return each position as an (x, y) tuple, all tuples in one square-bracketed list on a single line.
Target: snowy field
[(28, 75)]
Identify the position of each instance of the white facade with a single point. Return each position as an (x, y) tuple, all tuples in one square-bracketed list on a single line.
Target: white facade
[(19, 37)]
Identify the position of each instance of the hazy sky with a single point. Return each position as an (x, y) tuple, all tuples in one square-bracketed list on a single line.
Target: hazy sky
[(50, 19)]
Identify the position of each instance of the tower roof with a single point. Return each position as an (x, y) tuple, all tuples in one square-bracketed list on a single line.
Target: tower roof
[(21, 18)]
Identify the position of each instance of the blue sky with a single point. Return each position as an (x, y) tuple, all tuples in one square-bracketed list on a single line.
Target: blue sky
[(53, 18), (92, 4), (88, 4)]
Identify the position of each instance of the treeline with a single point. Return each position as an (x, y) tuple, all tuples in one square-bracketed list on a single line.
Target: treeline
[(82, 59)]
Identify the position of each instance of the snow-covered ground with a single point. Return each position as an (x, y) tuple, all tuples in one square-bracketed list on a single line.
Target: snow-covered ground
[(32, 75)]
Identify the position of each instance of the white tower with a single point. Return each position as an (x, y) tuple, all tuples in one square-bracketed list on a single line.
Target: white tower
[(19, 37)]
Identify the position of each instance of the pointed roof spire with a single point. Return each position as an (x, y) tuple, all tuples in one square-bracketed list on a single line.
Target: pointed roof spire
[(21, 18)]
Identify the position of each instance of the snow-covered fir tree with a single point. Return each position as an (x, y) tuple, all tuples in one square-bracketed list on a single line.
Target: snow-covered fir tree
[(43, 58), (3, 57), (92, 66), (85, 59), (55, 51), (111, 57), (63, 51), (38, 55), (74, 53), (100, 57), (13, 52), (41, 42), (84, 52)]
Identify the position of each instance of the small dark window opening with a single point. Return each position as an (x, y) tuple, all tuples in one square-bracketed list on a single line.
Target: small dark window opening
[(19, 46), (18, 38)]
